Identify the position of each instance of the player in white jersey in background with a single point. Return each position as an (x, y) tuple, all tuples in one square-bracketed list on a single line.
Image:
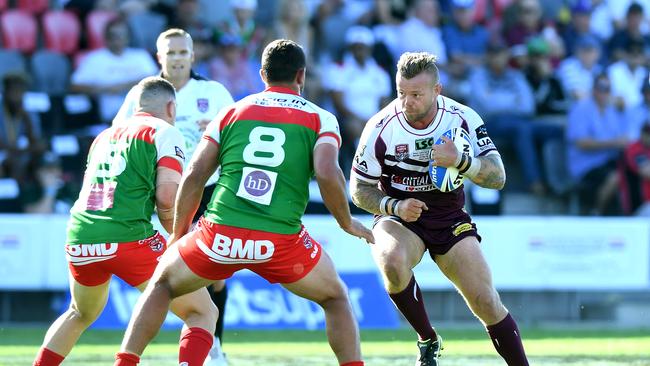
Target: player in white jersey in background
[(390, 179), (199, 100)]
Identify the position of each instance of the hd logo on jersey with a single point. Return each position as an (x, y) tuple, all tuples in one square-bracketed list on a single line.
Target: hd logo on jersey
[(202, 104), (82, 254), (257, 185), (229, 250), (401, 152)]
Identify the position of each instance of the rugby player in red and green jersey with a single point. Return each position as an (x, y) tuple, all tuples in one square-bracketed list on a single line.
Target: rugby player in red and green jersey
[(131, 170), (269, 145)]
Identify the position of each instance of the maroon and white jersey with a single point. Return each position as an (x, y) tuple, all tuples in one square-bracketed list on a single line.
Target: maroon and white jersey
[(394, 154)]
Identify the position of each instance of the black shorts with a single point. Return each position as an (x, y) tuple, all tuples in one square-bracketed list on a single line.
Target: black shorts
[(438, 241), (205, 201)]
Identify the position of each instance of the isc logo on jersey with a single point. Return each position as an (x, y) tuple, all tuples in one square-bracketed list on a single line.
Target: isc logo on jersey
[(235, 250), (81, 254), (448, 179)]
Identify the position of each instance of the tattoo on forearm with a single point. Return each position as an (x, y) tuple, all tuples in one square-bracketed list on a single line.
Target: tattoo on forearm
[(492, 173), (366, 196)]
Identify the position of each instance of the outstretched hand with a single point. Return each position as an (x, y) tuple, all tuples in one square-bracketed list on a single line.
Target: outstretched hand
[(410, 209), (444, 154), (356, 228)]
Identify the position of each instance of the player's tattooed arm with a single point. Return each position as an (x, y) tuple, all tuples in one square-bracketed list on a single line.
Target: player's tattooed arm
[(492, 173), (366, 195)]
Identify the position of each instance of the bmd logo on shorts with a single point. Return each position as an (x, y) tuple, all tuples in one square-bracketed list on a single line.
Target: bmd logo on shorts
[(81, 254), (257, 185), (235, 250)]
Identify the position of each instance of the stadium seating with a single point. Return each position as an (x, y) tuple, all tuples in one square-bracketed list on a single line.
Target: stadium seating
[(34, 6), (62, 31), (51, 72), (145, 27), (11, 61), (3, 5), (95, 24), (19, 30)]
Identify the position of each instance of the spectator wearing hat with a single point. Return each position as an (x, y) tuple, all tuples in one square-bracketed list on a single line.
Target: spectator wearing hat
[(596, 134), (631, 32), (577, 73), (357, 85), (580, 25), (503, 97), (232, 69), (242, 24), (628, 75), (547, 90), (466, 43)]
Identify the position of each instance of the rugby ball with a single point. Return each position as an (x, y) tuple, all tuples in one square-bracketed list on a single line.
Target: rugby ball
[(449, 179)]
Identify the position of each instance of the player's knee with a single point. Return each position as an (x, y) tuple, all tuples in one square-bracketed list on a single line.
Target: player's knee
[(395, 270), (336, 293), (487, 304), (82, 316)]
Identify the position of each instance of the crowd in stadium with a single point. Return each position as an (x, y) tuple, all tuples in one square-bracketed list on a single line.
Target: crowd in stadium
[(562, 85)]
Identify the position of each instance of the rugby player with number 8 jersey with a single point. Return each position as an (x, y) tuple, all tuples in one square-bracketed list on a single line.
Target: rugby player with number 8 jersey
[(390, 178), (268, 145), (132, 169)]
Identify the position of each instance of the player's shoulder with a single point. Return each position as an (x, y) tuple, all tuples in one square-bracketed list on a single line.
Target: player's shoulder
[(387, 116), (201, 85), (454, 108)]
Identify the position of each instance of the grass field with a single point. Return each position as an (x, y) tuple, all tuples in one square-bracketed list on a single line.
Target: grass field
[(380, 347)]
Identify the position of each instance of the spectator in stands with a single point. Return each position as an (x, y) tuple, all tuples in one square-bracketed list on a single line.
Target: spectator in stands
[(579, 26), (421, 31), (602, 20), (42, 190), (187, 16), (631, 33), (527, 23), (596, 135), (577, 72), (20, 139), (466, 42), (635, 174), (108, 73), (358, 87), (232, 69), (628, 75), (503, 97), (638, 116), (547, 90), (242, 24)]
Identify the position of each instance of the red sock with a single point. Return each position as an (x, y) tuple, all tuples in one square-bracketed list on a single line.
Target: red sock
[(353, 363), (45, 357), (195, 345), (126, 359)]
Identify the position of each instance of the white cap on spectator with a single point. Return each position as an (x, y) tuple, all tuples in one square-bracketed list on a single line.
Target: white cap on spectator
[(244, 4), (359, 34)]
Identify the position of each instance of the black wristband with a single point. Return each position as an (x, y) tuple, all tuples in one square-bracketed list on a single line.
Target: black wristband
[(394, 206), (463, 160), (469, 163)]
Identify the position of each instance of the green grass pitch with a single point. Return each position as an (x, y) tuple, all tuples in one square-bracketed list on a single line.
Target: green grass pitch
[(380, 347)]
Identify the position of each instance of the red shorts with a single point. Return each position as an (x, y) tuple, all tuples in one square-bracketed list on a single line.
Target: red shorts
[(216, 252), (134, 261)]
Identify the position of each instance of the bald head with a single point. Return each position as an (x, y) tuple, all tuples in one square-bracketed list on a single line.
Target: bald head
[(157, 97)]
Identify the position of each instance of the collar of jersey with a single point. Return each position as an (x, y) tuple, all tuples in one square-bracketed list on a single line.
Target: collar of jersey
[(142, 114), (280, 89)]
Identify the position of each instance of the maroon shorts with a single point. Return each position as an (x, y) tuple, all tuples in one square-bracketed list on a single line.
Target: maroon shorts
[(439, 240), (134, 261), (216, 252)]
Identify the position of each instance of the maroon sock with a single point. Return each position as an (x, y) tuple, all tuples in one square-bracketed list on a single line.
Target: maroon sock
[(506, 340), (45, 357), (126, 359), (195, 345), (411, 305)]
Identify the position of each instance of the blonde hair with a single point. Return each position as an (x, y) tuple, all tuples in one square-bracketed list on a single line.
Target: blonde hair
[(172, 33), (412, 64)]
